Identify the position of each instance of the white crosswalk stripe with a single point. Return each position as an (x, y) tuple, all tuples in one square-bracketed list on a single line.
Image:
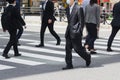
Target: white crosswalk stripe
[(21, 61), (56, 53), (37, 55), (4, 67), (53, 51), (98, 51)]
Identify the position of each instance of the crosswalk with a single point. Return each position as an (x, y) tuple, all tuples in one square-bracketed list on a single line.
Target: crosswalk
[(33, 56)]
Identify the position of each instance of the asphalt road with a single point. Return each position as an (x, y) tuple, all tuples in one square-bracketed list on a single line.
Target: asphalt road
[(46, 63)]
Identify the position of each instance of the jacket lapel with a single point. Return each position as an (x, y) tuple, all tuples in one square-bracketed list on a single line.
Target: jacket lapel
[(73, 11), (68, 12)]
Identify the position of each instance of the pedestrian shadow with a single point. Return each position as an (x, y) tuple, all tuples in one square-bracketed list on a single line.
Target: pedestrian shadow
[(22, 70), (101, 62)]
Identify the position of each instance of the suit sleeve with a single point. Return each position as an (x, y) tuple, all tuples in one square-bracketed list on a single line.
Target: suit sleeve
[(51, 10), (114, 10), (18, 17), (81, 17)]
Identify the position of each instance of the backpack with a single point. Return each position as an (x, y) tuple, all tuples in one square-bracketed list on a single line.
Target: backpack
[(5, 19)]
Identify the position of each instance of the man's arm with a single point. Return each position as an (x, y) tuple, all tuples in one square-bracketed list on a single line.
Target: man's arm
[(18, 16), (81, 17)]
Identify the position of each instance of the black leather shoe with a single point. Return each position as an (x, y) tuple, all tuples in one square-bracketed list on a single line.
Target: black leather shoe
[(109, 50), (58, 42), (88, 62), (67, 67), (40, 45), (93, 52), (6, 56), (17, 54)]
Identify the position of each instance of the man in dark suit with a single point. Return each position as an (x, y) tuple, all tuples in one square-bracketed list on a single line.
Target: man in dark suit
[(115, 25), (14, 20), (48, 19), (75, 16)]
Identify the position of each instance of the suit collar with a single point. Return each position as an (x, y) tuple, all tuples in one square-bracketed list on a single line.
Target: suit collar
[(71, 7), (46, 1), (73, 11)]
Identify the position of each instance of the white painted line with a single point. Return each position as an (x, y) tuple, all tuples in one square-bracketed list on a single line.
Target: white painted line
[(43, 57), (42, 50), (4, 67), (20, 61), (108, 53), (22, 39), (105, 47), (49, 45), (49, 50), (102, 44), (96, 46)]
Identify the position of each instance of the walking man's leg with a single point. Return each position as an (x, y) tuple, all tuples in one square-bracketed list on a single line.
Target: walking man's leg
[(68, 57), (19, 34), (110, 40), (52, 31), (42, 32)]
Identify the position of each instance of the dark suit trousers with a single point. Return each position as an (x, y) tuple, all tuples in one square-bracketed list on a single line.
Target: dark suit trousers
[(51, 29), (77, 46), (20, 31), (12, 42), (113, 34), (92, 35)]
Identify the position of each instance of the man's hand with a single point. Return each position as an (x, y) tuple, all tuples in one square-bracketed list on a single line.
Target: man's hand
[(25, 27), (97, 28), (4, 30), (49, 21)]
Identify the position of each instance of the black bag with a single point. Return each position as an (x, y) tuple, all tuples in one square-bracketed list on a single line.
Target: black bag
[(5, 19), (76, 30)]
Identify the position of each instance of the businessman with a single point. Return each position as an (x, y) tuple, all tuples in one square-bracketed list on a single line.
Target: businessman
[(115, 25), (75, 17), (48, 20), (14, 20)]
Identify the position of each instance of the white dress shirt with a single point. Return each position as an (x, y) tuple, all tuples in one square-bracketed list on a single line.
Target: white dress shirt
[(71, 7), (45, 4)]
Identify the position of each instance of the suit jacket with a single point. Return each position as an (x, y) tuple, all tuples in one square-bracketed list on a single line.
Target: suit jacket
[(48, 12), (116, 15), (76, 17), (15, 21)]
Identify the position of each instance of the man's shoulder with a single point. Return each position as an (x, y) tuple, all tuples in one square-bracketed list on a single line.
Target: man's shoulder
[(79, 6), (117, 4), (11, 7), (76, 5), (50, 2)]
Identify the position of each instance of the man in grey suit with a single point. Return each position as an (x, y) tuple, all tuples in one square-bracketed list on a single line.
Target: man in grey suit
[(75, 17)]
